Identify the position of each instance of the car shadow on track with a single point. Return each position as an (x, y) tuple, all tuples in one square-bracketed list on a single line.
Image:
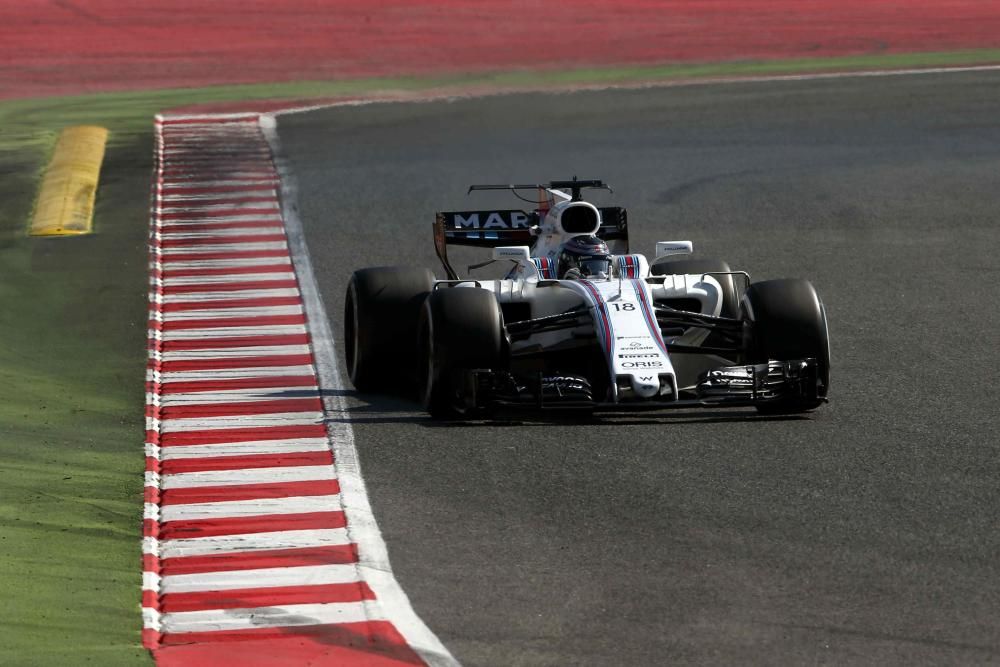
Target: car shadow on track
[(381, 408)]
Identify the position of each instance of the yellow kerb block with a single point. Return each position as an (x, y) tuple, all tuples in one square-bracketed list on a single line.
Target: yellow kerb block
[(66, 199)]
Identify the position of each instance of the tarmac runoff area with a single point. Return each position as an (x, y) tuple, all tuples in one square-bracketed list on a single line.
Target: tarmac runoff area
[(862, 533)]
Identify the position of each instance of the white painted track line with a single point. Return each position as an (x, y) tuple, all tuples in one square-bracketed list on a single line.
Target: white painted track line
[(195, 334), (422, 98), (304, 575), (190, 480), (286, 446), (227, 396), (373, 554), (176, 265), (232, 373), (194, 297), (236, 353), (190, 316), (220, 187), (185, 425), (226, 279), (269, 617), (222, 247), (227, 544), (258, 507)]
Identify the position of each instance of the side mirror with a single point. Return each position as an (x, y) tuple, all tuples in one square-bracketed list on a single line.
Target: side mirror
[(665, 248), (521, 254), (517, 253)]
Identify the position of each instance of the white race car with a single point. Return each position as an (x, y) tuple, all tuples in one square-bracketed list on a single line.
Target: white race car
[(580, 322)]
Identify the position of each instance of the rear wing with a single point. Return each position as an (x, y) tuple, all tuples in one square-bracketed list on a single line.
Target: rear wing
[(489, 229)]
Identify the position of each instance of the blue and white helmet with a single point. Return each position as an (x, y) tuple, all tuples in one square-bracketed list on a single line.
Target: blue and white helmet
[(588, 255)]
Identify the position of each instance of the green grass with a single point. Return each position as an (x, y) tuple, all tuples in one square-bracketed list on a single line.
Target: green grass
[(72, 353), (72, 343), (33, 122)]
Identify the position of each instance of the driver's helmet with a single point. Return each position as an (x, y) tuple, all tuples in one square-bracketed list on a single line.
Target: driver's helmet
[(584, 257)]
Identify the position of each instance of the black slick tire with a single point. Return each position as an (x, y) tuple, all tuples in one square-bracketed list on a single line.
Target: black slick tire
[(460, 329), (381, 311), (787, 320)]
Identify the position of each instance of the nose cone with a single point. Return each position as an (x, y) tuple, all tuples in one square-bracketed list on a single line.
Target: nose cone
[(646, 386)]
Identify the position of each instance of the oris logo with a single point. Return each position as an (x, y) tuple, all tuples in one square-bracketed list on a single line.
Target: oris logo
[(642, 364)]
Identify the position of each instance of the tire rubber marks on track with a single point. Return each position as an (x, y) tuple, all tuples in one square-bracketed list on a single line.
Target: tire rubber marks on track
[(246, 537)]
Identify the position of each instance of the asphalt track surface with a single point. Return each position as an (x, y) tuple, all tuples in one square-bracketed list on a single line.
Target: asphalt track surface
[(866, 533)]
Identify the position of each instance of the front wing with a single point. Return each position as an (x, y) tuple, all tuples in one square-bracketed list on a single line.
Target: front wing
[(728, 386)]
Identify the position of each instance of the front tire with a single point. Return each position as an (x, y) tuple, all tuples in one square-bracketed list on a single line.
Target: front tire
[(787, 320), (460, 329), (381, 311)]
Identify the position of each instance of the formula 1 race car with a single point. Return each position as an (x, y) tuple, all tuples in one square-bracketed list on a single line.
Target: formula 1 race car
[(580, 322)]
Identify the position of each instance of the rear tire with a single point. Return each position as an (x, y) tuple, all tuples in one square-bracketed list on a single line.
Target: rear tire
[(460, 329), (381, 311), (788, 321), (671, 267)]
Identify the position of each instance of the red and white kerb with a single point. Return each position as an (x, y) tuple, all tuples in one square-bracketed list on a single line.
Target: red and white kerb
[(247, 553)]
